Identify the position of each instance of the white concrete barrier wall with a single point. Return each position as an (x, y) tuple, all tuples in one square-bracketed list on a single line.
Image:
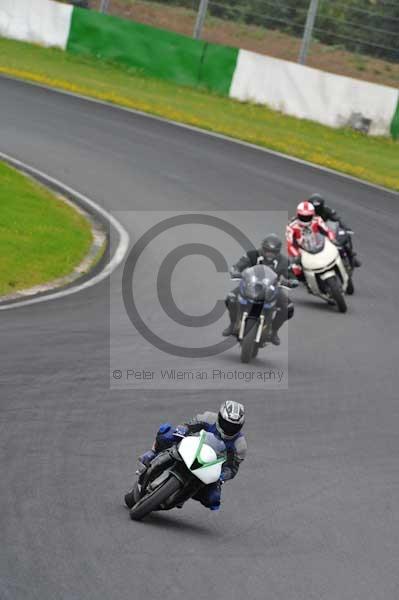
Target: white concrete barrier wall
[(312, 94), (38, 21)]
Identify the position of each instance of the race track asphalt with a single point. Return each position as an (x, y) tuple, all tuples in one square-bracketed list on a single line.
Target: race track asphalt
[(314, 513)]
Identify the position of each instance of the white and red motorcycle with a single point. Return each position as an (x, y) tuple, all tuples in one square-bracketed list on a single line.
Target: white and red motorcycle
[(323, 268)]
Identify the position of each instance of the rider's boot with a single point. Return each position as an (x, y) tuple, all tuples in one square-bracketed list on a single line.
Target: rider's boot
[(275, 338), (147, 457), (273, 335), (229, 330), (232, 308), (352, 255), (144, 462), (280, 318)]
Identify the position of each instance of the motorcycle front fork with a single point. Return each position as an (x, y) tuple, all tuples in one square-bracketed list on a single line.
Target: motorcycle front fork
[(259, 331)]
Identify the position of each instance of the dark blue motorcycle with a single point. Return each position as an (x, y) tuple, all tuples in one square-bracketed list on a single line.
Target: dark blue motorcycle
[(258, 294)]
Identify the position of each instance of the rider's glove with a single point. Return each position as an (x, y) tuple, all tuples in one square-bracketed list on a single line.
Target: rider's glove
[(164, 437), (297, 270), (180, 431)]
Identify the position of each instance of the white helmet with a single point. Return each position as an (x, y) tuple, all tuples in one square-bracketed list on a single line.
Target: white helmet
[(230, 419)]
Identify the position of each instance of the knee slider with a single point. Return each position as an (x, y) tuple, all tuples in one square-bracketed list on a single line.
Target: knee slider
[(214, 497)]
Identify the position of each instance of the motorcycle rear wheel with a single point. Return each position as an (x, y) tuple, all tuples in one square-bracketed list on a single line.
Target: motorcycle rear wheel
[(153, 500), (350, 290)]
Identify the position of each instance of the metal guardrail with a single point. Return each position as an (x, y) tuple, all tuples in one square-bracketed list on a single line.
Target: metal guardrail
[(346, 24)]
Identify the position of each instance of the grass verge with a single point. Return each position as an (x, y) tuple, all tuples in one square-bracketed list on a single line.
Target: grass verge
[(369, 158), (41, 237)]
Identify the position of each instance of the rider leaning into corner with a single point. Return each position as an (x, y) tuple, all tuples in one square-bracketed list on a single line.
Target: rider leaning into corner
[(305, 219), (270, 255), (330, 214), (225, 425)]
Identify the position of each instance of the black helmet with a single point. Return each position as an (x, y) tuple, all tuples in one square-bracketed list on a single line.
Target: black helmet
[(271, 248), (317, 200), (230, 419)]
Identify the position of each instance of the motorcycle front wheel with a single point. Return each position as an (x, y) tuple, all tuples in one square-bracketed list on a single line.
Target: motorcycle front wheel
[(337, 294), (249, 348), (132, 497), (153, 500)]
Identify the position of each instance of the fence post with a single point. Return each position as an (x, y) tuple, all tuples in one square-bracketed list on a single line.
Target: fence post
[(307, 34), (104, 6), (199, 24)]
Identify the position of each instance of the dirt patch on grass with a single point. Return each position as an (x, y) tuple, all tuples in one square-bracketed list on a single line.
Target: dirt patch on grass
[(258, 39)]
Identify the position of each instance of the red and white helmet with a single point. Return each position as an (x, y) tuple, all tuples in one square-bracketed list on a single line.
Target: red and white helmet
[(305, 211)]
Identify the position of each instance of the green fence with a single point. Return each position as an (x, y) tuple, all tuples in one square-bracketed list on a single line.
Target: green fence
[(156, 52)]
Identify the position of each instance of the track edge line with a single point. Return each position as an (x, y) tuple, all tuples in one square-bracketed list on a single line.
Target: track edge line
[(91, 207)]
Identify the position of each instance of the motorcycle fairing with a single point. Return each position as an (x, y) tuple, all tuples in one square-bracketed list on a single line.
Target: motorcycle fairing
[(200, 458)]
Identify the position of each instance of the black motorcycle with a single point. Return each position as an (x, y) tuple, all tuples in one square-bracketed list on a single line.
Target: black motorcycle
[(343, 241), (176, 474)]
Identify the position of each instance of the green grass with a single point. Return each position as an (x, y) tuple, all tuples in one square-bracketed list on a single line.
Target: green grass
[(373, 159), (41, 237)]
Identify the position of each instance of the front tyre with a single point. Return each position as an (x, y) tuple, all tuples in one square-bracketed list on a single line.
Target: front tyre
[(337, 295), (153, 500), (132, 497), (249, 348)]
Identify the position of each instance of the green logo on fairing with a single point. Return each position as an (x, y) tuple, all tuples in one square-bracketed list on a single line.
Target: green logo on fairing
[(198, 463)]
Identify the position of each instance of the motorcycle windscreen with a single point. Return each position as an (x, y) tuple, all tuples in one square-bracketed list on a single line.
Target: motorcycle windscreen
[(204, 455), (312, 242), (259, 284)]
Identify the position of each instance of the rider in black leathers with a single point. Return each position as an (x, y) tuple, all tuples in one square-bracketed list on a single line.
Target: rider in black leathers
[(269, 254), (329, 214)]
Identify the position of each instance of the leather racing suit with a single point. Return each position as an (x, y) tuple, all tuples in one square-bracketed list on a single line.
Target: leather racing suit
[(236, 447)]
